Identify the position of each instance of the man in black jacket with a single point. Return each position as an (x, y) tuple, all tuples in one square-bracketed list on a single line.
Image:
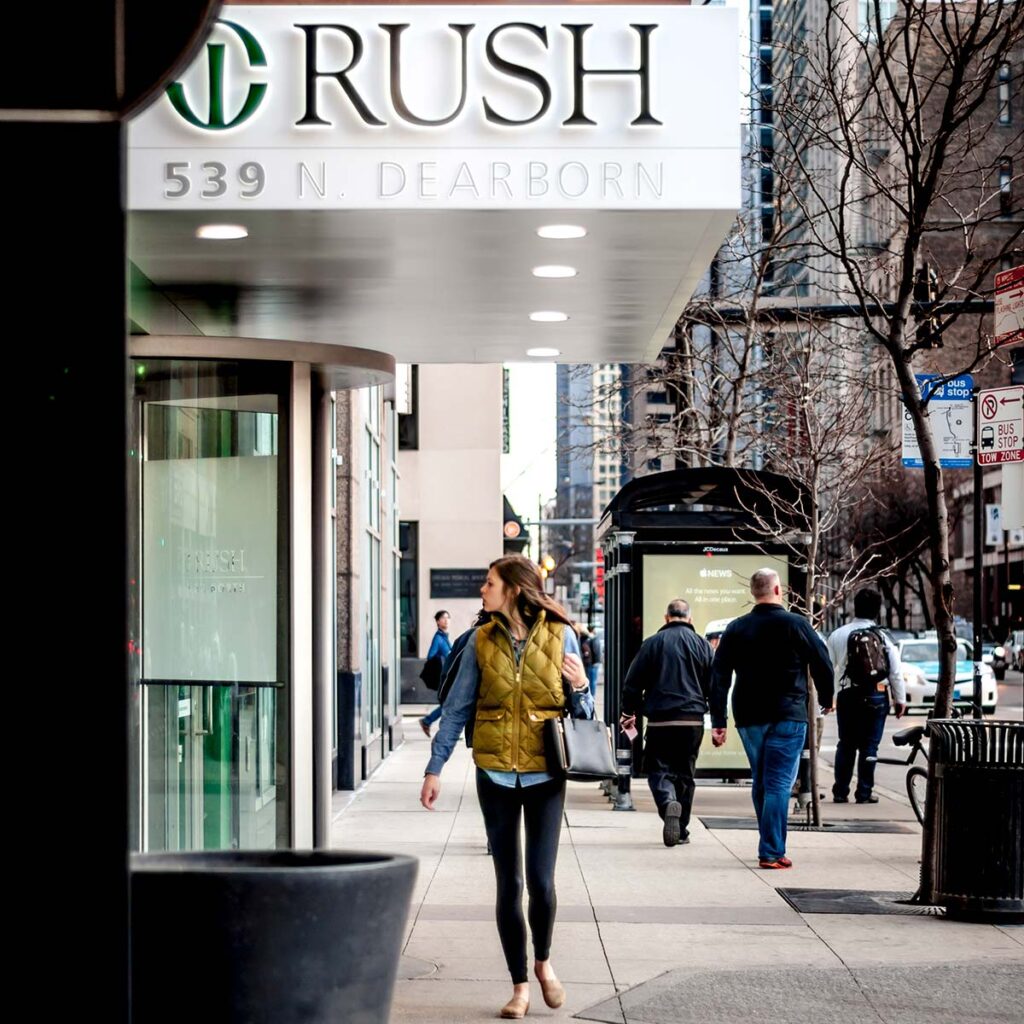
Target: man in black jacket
[(669, 682), (769, 649)]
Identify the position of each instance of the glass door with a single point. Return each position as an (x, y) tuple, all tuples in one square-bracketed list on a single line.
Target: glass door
[(209, 605)]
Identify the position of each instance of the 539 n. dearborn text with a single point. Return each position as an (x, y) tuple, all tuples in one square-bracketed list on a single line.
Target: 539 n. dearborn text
[(316, 180)]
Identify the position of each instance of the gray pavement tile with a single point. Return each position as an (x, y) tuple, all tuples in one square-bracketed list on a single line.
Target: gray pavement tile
[(410, 967), (910, 994), (754, 997), (724, 946), (608, 1012), (438, 1001), (630, 973), (696, 914), (873, 941), (485, 912), (492, 968), (633, 913), (959, 993)]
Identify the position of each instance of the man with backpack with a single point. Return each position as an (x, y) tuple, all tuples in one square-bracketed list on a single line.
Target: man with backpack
[(433, 669), (867, 667)]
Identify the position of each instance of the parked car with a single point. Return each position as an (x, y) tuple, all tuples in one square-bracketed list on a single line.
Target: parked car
[(920, 665), (901, 634), (1015, 649), (714, 629), (995, 655)]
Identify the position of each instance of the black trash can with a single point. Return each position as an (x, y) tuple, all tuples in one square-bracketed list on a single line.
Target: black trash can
[(977, 769), (267, 937)]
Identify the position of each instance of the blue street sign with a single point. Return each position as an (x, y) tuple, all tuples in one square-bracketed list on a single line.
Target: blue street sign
[(952, 422)]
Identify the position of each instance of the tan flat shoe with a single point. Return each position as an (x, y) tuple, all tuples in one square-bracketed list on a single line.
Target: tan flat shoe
[(516, 1008), (553, 992)]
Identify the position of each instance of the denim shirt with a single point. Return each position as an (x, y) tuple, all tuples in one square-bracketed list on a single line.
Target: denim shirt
[(460, 706)]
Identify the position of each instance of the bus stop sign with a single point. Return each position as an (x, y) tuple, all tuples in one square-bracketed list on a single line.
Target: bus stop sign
[(1000, 414)]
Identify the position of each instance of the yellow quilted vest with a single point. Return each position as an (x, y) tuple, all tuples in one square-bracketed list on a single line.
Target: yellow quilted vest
[(514, 701)]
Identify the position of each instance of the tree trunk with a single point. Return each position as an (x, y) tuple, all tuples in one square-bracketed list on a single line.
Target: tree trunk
[(942, 592), (922, 592)]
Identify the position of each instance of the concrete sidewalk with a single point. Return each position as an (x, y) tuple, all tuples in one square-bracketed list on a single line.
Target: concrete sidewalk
[(694, 933)]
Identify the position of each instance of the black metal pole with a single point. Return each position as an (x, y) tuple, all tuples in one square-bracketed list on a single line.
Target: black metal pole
[(625, 605), (979, 557), (717, 316)]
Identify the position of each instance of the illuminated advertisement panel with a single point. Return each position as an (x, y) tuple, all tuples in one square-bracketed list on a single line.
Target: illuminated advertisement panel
[(718, 590)]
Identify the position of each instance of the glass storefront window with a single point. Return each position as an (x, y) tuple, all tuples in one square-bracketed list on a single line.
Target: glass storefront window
[(372, 563), (210, 614)]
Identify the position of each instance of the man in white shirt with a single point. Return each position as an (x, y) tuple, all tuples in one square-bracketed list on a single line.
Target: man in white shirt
[(861, 709)]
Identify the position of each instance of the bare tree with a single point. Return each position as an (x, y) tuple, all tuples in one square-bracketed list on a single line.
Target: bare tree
[(817, 434), (890, 131), (890, 140)]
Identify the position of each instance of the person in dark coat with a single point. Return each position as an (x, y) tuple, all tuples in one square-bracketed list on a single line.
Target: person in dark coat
[(769, 649), (669, 682)]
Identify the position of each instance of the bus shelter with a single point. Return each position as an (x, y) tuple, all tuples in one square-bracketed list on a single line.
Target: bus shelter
[(698, 534)]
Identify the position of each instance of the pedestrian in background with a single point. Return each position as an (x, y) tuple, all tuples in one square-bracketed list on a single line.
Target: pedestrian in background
[(587, 654), (440, 648), (769, 649), (511, 686), (867, 669), (596, 653), (669, 682)]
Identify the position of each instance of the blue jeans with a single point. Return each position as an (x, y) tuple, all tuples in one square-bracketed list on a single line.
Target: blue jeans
[(432, 716), (773, 750), (861, 722), (592, 676)]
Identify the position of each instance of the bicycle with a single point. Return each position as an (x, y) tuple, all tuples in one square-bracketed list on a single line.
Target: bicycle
[(917, 777)]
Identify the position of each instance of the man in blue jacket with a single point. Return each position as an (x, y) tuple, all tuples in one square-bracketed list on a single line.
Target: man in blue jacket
[(669, 681), (769, 649), (440, 647)]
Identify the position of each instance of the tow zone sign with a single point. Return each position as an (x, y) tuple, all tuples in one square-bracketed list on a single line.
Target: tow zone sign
[(1001, 425)]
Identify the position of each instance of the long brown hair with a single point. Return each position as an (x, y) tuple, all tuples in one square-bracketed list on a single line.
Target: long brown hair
[(517, 571)]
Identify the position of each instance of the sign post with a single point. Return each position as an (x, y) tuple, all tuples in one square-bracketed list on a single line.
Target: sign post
[(998, 438), (979, 568)]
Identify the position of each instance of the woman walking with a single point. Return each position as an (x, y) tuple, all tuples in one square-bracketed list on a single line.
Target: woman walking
[(504, 695)]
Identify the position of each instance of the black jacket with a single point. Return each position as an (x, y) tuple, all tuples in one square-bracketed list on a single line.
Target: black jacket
[(770, 650), (671, 675)]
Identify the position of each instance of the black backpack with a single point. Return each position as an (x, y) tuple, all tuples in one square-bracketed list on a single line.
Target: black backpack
[(586, 651), (867, 661), (431, 674)]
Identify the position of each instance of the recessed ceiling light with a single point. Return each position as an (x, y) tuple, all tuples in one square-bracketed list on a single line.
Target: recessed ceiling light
[(548, 316), (561, 231), (221, 231), (555, 271), (541, 353)]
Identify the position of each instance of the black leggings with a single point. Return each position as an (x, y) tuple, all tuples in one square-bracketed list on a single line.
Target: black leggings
[(541, 805)]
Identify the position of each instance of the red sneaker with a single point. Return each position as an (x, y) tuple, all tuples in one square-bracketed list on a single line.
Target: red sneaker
[(778, 864)]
